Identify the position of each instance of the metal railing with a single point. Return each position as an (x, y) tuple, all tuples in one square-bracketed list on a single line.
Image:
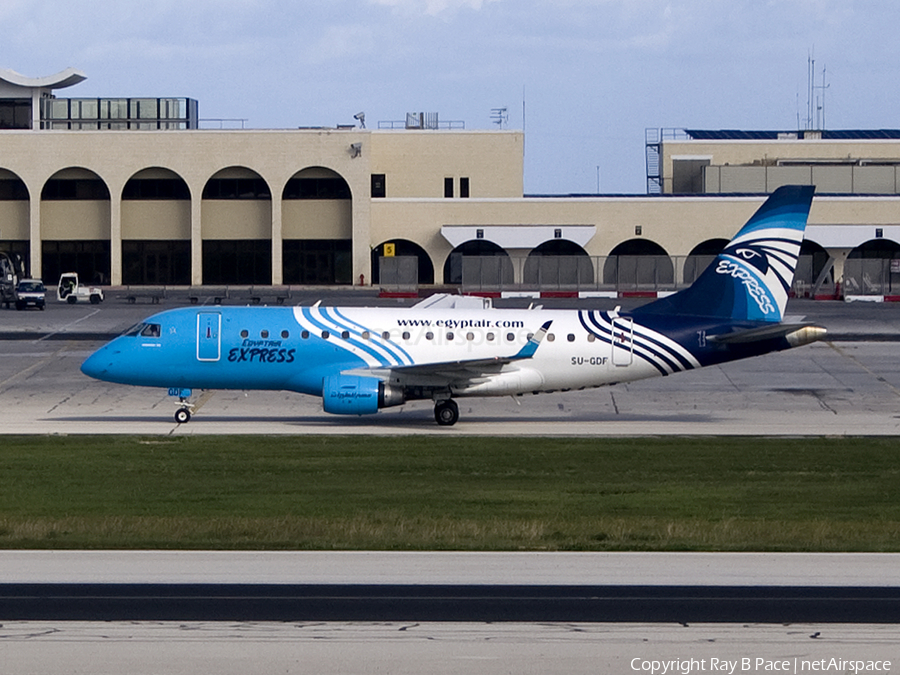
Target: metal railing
[(607, 273), (871, 276)]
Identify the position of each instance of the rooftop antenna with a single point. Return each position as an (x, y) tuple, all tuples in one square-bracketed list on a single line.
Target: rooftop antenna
[(810, 75), (820, 108), (499, 116)]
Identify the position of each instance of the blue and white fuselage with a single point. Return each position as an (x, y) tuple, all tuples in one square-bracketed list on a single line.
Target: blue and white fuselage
[(362, 359)]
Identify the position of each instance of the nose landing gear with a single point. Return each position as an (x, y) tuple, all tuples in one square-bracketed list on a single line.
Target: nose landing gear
[(186, 407)]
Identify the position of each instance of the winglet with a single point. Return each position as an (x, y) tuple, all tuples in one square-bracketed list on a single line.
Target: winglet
[(533, 343)]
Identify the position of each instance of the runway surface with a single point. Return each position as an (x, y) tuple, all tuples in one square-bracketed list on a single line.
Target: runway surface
[(448, 586), (268, 585), (847, 386), (339, 648)]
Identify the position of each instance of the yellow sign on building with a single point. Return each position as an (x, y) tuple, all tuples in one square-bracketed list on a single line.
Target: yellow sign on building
[(389, 250)]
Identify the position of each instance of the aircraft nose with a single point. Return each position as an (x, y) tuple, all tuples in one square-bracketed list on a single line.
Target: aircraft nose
[(97, 364)]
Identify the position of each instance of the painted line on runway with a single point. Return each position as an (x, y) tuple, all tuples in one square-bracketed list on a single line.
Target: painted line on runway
[(32, 368), (864, 367), (63, 328)]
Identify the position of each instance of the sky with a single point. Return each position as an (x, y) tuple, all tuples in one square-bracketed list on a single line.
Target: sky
[(584, 79)]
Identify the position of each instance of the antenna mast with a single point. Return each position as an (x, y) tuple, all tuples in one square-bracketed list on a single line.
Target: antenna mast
[(821, 104)]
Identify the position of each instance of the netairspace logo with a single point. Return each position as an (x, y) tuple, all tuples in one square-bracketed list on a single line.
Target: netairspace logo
[(757, 665)]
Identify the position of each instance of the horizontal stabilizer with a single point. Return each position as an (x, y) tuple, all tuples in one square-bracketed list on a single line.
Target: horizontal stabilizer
[(796, 334)]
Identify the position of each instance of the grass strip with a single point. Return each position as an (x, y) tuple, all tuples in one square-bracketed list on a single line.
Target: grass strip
[(450, 493)]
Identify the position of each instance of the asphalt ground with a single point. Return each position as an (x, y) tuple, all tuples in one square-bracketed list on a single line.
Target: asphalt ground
[(848, 385)]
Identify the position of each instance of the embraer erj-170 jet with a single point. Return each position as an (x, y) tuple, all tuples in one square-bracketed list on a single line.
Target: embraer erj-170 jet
[(362, 359)]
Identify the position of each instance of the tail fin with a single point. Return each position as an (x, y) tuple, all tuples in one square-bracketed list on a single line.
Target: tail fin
[(750, 279)]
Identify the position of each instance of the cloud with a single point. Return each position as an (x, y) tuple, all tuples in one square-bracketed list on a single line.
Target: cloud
[(339, 43), (432, 7)]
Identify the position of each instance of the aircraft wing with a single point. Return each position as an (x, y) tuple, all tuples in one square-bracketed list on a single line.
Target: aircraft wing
[(460, 370)]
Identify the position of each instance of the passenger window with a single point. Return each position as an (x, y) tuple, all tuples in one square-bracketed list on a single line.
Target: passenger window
[(449, 337), (151, 330), (386, 336), (570, 337), (345, 335), (550, 337), (365, 335), (263, 333), (591, 337), (510, 337), (490, 337), (429, 335), (325, 334), (470, 336), (245, 334), (285, 335), (304, 335), (406, 335)]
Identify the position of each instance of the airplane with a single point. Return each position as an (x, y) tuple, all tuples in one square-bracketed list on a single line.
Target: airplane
[(359, 360)]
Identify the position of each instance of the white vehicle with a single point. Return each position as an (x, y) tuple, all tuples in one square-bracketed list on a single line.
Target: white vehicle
[(69, 290)]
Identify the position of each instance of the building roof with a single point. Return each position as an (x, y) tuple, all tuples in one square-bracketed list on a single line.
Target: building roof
[(64, 78), (825, 134)]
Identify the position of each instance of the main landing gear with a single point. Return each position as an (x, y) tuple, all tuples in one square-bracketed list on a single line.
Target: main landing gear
[(446, 412)]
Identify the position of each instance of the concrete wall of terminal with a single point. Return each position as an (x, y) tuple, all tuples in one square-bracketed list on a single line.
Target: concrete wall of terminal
[(416, 166)]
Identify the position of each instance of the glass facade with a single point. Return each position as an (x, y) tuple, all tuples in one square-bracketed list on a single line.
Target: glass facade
[(119, 113), (15, 114), (247, 261), (156, 262), (90, 258), (317, 261)]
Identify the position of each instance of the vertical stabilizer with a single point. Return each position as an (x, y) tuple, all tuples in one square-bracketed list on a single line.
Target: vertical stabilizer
[(750, 279)]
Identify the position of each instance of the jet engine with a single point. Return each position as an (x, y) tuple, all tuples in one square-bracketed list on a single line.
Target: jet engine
[(358, 395)]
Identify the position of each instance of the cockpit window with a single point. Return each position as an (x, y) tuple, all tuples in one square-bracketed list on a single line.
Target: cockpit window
[(151, 330), (134, 330)]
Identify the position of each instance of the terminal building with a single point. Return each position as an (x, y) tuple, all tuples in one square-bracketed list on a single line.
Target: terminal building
[(134, 192)]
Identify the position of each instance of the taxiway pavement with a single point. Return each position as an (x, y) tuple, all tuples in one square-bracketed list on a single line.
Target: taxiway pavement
[(848, 385)]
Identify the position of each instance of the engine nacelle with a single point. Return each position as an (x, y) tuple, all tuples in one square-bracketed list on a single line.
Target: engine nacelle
[(358, 395)]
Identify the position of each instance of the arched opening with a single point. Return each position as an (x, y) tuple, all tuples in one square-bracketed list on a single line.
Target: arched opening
[(75, 226), (558, 263), (15, 236), (638, 264), (700, 257), (812, 261), (870, 268), (403, 247), (317, 228), (156, 229), (237, 228), (478, 262)]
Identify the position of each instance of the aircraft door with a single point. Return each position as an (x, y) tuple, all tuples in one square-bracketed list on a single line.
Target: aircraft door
[(623, 341), (208, 336)]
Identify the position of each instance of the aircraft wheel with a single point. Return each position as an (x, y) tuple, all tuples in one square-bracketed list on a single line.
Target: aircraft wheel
[(446, 413), (182, 416)]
